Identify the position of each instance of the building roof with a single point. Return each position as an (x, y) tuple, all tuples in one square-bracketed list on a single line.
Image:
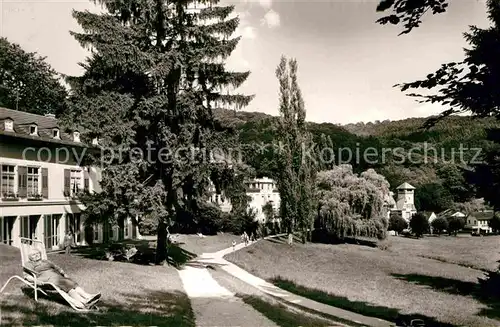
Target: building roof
[(450, 213), (482, 215), (405, 186), (45, 125)]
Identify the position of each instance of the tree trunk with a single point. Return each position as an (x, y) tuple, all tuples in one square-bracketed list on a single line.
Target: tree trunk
[(161, 244)]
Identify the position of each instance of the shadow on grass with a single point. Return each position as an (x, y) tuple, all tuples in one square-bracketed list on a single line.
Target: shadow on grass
[(281, 315), (462, 264), (363, 308), (457, 287), (146, 255), (325, 237), (151, 308)]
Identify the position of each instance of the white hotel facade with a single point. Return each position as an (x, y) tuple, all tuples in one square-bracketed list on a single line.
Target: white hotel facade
[(260, 190), (38, 189)]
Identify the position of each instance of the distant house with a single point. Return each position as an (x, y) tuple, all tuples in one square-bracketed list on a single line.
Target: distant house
[(260, 190), (451, 213), (479, 221), (219, 198), (404, 204), (430, 215)]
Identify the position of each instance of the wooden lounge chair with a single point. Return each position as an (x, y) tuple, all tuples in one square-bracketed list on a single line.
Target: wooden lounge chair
[(29, 276)]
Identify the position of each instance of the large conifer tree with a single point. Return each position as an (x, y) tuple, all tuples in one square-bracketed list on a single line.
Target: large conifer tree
[(155, 74)]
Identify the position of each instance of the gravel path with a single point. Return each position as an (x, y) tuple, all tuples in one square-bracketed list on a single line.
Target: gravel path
[(215, 305)]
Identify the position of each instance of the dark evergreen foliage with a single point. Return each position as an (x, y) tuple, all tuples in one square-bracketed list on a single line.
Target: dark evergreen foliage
[(28, 83), (155, 76), (419, 224)]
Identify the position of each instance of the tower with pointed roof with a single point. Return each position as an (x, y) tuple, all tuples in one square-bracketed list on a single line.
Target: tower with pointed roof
[(406, 200)]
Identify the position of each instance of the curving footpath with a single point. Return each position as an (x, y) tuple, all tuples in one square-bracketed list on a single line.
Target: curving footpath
[(217, 259), (213, 304)]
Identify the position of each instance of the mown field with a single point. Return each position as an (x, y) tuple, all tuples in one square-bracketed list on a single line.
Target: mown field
[(434, 278)]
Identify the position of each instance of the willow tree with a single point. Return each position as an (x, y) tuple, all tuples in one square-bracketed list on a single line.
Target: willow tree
[(154, 76), (351, 205), (295, 160)]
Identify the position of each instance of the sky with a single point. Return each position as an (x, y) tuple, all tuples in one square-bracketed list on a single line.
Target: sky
[(348, 64)]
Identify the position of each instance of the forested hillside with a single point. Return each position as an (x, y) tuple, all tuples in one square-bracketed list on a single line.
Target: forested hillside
[(398, 151)]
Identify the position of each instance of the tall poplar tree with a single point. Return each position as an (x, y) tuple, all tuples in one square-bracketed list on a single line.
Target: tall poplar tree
[(296, 166), (155, 75)]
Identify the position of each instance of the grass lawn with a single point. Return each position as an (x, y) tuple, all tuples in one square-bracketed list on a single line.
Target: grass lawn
[(282, 315), (269, 306), (400, 281), (132, 295), (481, 253)]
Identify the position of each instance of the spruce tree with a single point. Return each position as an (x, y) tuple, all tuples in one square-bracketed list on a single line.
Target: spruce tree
[(155, 75), (295, 159)]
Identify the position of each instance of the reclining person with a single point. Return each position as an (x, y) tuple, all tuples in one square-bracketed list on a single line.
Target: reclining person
[(48, 272)]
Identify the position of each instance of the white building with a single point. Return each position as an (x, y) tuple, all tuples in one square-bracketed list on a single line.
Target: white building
[(479, 221), (405, 203), (220, 199), (40, 178), (262, 191)]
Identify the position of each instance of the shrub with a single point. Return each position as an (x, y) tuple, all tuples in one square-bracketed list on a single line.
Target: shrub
[(208, 217), (495, 224), (419, 224), (455, 224), (397, 223), (244, 222), (148, 224), (439, 225)]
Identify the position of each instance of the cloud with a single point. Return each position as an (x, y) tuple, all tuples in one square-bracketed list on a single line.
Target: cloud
[(248, 32), (271, 19), (266, 3)]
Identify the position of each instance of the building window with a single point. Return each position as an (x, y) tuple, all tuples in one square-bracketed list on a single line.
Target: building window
[(96, 233), (73, 224), (126, 230), (55, 133), (75, 180), (8, 180), (9, 125), (33, 182), (33, 130)]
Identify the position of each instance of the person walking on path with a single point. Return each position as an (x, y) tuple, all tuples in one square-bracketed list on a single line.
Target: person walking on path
[(68, 242), (244, 237)]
